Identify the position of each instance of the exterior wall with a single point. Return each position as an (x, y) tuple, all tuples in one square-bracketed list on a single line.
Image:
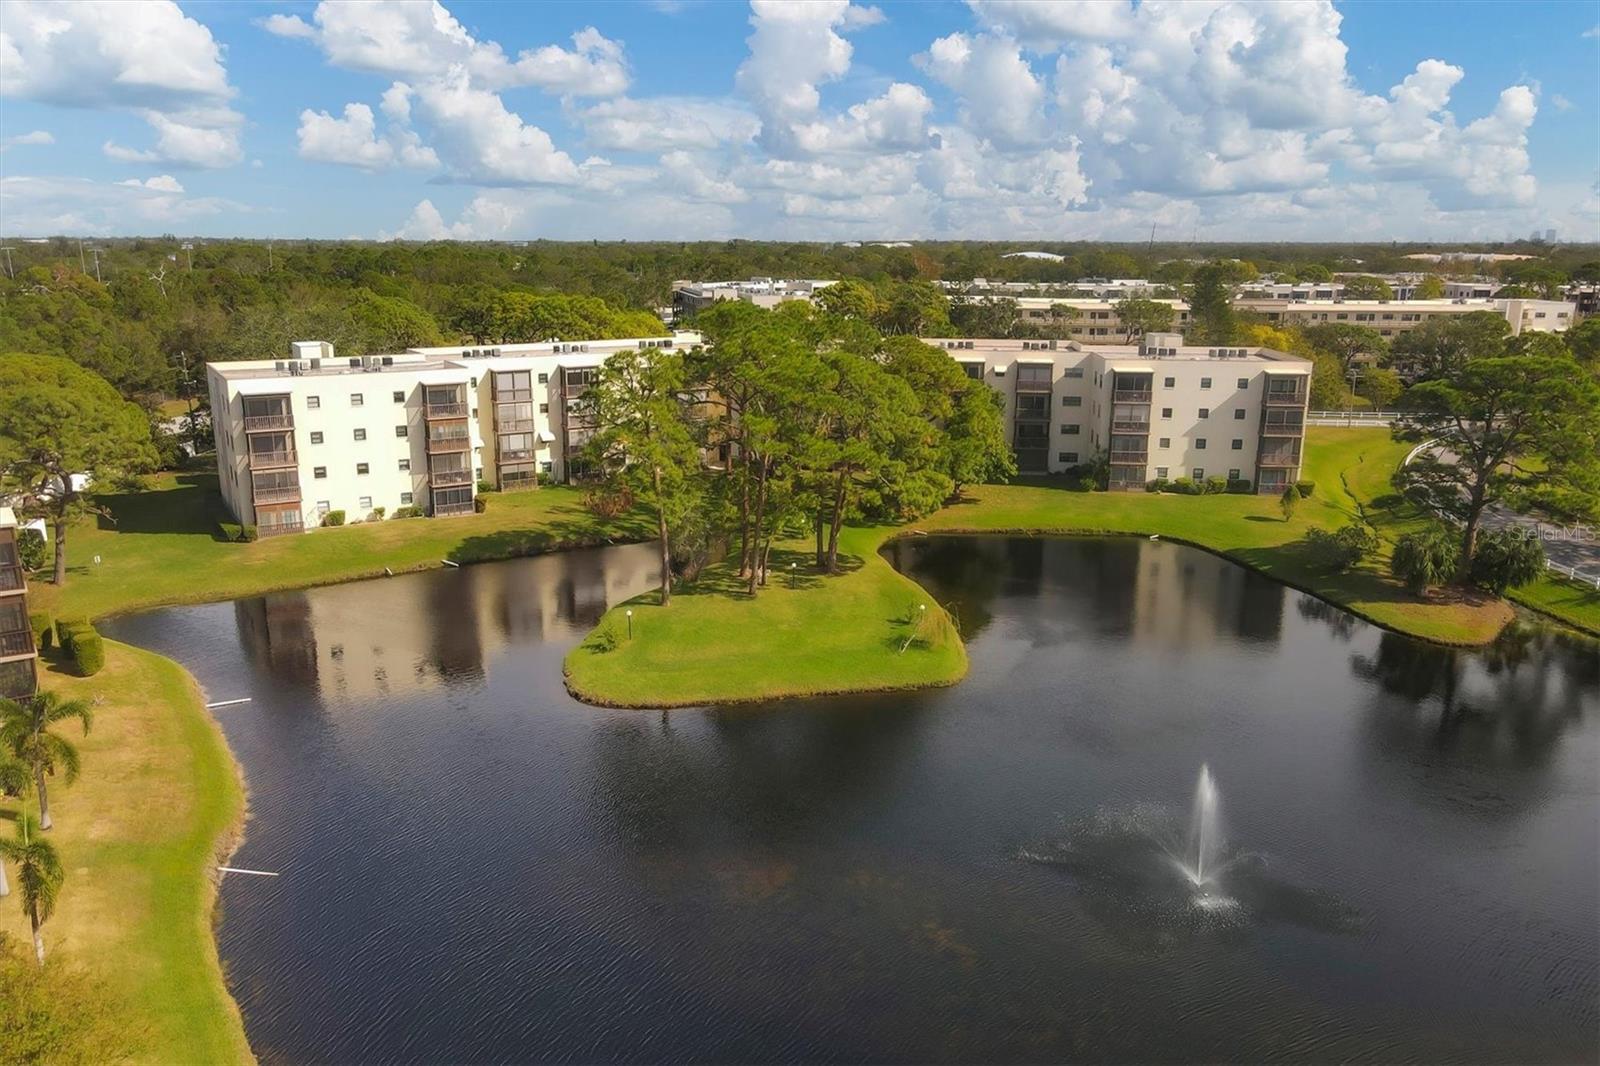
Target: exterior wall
[(1392, 318), (18, 656), (1090, 321)]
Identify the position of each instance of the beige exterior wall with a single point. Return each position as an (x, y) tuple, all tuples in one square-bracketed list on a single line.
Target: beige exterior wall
[(1394, 317)]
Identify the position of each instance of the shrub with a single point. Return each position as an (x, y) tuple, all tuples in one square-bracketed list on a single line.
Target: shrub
[(485, 486), (1215, 486), (1305, 488), (88, 652), (1341, 550), (1184, 486), (333, 518), (1240, 486), (229, 531), (602, 640), (377, 514), (1506, 558), (407, 511), (1426, 557), (30, 549), (43, 625), (479, 505), (1158, 485), (608, 503), (247, 533), (66, 630), (1287, 502)]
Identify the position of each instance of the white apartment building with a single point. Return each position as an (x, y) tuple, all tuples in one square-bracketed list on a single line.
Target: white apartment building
[(1157, 409), (1102, 288), (299, 437), (691, 296), (1394, 317)]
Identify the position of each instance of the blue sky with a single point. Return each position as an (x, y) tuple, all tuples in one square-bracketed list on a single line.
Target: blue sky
[(824, 120)]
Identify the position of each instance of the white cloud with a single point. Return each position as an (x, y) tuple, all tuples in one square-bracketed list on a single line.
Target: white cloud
[(1000, 93), (353, 140), (895, 121), (148, 58), (159, 183), (690, 177), (32, 137), (1048, 24), (664, 123), (79, 207), (287, 26), (481, 141)]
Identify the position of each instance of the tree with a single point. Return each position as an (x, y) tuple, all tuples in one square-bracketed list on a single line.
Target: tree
[(1430, 288), (1443, 343), (1488, 419), (1315, 272), (1381, 386), (967, 416), (644, 439), (62, 425), (13, 782), (1289, 501), (1424, 558), (851, 298), (25, 732), (39, 876), (30, 549), (1141, 316), (1211, 305), (1584, 342), (1346, 341), (1506, 559), (1365, 287)]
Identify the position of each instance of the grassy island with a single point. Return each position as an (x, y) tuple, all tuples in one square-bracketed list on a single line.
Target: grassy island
[(808, 634)]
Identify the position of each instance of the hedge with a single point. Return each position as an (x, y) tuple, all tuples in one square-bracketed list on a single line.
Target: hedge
[(333, 518), (44, 629), (80, 641)]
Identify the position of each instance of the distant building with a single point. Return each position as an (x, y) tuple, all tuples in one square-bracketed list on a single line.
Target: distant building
[(1109, 288), (1048, 256), (1394, 317), (689, 297), (18, 655)]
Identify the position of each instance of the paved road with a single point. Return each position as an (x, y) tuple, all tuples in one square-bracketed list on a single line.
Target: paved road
[(1565, 545)]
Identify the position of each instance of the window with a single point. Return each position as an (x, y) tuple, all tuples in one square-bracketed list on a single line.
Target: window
[(1072, 401), (479, 474), (1238, 414), (361, 434), (1205, 383), (405, 499), (1073, 372), (1169, 382), (316, 436), (405, 466), (544, 379), (323, 507), (546, 467), (1070, 430), (364, 502), (1066, 457), (1244, 383), (1205, 412), (319, 471), (1233, 474), (361, 468), (544, 408), (1166, 412), (1237, 444), (1200, 444), (355, 399), (399, 431), (1161, 471), (313, 402), (399, 397), (1198, 473), (1163, 442)]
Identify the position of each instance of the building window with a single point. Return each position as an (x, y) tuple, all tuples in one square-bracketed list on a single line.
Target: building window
[(1161, 471), (399, 431), (1205, 412), (399, 397), (1238, 414), (1169, 382), (319, 471), (405, 499), (1072, 401), (1163, 442), (1066, 457), (1244, 383), (1166, 412), (361, 468), (546, 467), (544, 408), (313, 402), (1233, 475), (1237, 444), (1205, 383), (316, 436), (544, 379), (479, 475), (355, 399), (1070, 430), (361, 434), (1199, 444), (323, 507), (1198, 473), (364, 502), (1073, 372), (405, 466)]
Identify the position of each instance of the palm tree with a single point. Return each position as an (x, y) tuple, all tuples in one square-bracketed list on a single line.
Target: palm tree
[(13, 782), (25, 732), (39, 875)]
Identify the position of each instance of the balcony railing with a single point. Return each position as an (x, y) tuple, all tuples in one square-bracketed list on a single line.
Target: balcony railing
[(294, 524), (264, 460), (11, 579), (1139, 457), (1285, 399), (513, 395), (1279, 459), (1132, 396), (450, 477), (278, 494), (258, 423), (1034, 386), (447, 410), (449, 444), (442, 510), (515, 455), (514, 425), (16, 642), (1122, 426), (1283, 429)]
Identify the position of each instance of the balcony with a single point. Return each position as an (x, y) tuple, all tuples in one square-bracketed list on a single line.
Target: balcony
[(269, 460), (449, 444), (515, 455), (1283, 429), (1124, 426), (450, 477), (1132, 396), (16, 642), (1285, 399), (444, 510), (263, 423), (1138, 458), (514, 425), (11, 579), (278, 494), (291, 524), (1279, 459), (446, 410)]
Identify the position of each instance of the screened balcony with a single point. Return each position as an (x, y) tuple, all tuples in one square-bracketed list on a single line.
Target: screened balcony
[(445, 401), (266, 413)]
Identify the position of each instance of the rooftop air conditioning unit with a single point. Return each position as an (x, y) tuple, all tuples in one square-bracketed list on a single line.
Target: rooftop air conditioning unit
[(279, 366), (355, 361), (316, 364), (388, 360)]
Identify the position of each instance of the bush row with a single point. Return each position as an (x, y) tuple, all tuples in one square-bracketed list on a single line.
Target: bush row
[(83, 644), (1211, 486)]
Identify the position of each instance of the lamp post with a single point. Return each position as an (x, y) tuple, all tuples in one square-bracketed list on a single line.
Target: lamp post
[(629, 613)]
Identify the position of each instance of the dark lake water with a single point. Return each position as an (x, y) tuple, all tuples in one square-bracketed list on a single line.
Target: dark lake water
[(477, 868)]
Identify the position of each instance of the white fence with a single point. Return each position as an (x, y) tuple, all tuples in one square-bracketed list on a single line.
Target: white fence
[(1573, 574), (1351, 418)]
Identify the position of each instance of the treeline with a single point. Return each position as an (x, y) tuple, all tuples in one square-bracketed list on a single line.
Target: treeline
[(809, 419)]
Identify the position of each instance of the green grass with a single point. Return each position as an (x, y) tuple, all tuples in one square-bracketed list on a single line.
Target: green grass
[(138, 833), (1576, 605), (830, 634), (159, 547)]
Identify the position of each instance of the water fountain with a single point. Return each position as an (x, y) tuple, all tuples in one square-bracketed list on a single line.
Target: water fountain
[(1202, 861)]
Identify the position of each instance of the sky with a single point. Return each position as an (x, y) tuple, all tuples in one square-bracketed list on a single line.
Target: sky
[(819, 120)]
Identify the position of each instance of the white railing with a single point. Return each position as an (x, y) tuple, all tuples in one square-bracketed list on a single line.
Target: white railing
[(1351, 418), (1573, 574)]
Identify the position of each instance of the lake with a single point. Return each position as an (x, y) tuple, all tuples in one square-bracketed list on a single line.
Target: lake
[(477, 868)]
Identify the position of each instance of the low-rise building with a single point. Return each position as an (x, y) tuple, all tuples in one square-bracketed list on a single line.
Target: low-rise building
[(689, 297), (1158, 409), (299, 437), (1394, 317), (19, 657)]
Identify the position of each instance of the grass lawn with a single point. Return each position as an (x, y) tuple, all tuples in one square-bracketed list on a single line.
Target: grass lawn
[(159, 547), (1577, 605), (832, 633), (137, 834)]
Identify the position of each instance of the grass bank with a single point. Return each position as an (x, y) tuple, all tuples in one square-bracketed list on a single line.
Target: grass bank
[(138, 834), (159, 547), (827, 634)]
